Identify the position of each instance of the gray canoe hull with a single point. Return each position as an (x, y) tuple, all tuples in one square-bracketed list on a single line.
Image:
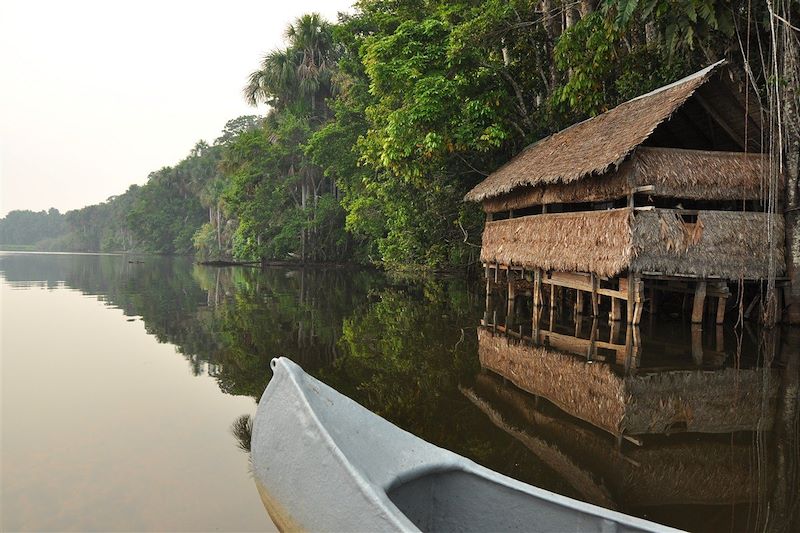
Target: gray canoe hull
[(322, 462)]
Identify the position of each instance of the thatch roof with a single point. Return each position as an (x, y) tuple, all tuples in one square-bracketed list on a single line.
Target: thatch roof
[(672, 172), (594, 145), (700, 174)]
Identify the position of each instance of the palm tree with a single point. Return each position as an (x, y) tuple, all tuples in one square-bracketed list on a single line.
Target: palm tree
[(300, 72)]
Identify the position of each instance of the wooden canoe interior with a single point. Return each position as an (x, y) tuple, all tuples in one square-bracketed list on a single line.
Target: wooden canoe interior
[(455, 500)]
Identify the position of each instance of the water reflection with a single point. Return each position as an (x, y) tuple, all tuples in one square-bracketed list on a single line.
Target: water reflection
[(693, 428), (696, 428)]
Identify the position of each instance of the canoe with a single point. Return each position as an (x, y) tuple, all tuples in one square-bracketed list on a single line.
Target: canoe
[(322, 462)]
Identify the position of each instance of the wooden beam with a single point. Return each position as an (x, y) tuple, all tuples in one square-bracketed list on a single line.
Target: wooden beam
[(736, 136)]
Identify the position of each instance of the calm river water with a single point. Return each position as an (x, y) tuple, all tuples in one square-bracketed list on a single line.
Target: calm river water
[(122, 378)]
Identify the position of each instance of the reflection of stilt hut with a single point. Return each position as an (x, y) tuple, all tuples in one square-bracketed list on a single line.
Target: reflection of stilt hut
[(660, 193), (702, 470), (722, 401)]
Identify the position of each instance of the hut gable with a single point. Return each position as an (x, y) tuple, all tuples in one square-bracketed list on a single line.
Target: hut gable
[(594, 145)]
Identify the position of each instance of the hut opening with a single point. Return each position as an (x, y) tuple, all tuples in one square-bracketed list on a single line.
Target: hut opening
[(665, 192)]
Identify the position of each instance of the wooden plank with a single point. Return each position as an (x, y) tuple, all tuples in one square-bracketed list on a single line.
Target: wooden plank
[(699, 302)]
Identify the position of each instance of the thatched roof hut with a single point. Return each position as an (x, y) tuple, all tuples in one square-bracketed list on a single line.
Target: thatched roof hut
[(656, 184)]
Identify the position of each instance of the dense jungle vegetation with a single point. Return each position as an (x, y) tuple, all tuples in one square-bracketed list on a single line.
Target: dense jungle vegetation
[(381, 121)]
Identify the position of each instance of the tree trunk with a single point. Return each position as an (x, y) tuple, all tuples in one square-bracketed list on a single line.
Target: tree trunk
[(219, 231), (791, 124)]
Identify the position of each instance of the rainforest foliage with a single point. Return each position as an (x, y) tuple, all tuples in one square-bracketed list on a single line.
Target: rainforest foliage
[(380, 122)]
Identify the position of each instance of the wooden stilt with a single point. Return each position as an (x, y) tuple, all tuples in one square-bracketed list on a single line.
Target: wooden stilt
[(638, 291), (537, 316), (510, 301), (616, 310), (697, 344), (721, 303), (615, 328), (631, 298), (699, 302), (592, 340)]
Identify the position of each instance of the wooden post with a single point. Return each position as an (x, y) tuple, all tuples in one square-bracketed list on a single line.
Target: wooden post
[(631, 298), (552, 294), (720, 344), (537, 288), (592, 340), (721, 303), (699, 302), (537, 316), (616, 311), (697, 344), (595, 302), (578, 302), (510, 300), (614, 333), (638, 292)]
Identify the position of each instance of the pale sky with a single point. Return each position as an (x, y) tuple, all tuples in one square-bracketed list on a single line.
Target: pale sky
[(95, 94)]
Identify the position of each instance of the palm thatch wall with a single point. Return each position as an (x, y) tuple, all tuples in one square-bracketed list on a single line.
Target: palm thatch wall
[(722, 401), (595, 241), (721, 244), (718, 244)]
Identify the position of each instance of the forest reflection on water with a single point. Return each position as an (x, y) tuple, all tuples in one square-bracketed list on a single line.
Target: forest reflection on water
[(712, 444)]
